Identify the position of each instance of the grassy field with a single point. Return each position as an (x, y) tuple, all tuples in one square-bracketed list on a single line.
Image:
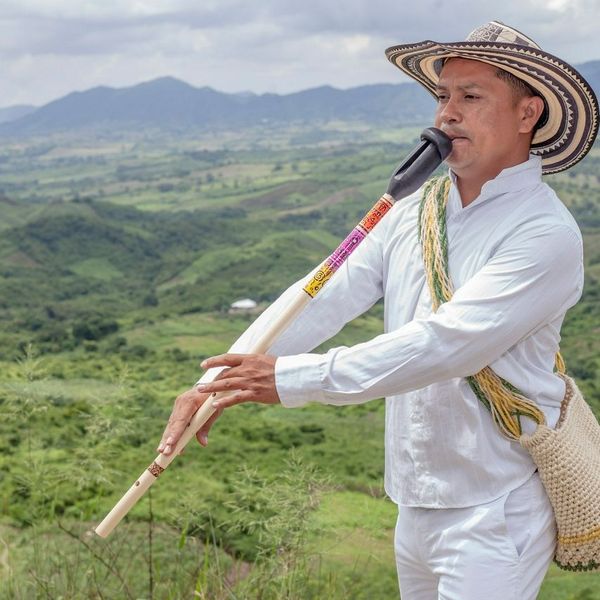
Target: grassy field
[(118, 263)]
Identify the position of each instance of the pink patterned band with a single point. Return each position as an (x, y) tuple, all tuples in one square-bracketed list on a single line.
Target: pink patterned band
[(352, 241)]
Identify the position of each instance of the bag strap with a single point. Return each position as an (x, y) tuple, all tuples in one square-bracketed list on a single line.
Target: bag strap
[(505, 402)]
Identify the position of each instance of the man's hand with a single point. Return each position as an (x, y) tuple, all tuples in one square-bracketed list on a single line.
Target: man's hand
[(183, 410), (249, 378)]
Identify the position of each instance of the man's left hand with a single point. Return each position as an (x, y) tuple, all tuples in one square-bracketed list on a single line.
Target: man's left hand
[(249, 378)]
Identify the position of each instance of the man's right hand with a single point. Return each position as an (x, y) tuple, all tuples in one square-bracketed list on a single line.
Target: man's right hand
[(184, 408)]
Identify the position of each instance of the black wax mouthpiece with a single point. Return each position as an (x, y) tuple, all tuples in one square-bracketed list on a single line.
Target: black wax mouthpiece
[(420, 164)]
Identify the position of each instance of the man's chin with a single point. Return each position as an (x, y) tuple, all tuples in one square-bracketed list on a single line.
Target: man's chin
[(453, 162), (456, 161)]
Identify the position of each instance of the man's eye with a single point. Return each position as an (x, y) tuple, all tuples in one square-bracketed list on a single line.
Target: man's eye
[(471, 97), (442, 97)]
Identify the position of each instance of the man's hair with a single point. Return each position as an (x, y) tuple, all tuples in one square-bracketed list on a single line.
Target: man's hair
[(521, 89)]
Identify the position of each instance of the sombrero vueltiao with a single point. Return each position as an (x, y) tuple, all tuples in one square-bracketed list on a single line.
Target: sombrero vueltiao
[(571, 105)]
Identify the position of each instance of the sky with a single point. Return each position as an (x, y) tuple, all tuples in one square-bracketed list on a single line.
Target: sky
[(49, 48)]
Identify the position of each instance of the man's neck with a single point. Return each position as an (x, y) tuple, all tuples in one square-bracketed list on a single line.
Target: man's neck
[(470, 187)]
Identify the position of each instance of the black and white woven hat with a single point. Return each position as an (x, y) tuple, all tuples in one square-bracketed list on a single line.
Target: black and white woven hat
[(571, 105)]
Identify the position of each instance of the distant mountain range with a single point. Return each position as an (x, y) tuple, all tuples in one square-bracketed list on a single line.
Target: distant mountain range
[(12, 113), (170, 104)]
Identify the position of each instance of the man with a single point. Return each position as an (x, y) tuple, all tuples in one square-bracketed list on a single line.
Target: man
[(474, 519)]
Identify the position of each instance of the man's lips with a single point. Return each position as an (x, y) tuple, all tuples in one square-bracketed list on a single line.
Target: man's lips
[(455, 135)]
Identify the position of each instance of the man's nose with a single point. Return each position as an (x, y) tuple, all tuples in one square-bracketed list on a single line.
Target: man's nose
[(449, 112)]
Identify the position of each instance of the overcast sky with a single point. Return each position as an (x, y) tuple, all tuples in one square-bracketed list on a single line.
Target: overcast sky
[(49, 48)]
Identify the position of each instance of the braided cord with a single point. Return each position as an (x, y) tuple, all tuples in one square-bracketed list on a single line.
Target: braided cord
[(506, 403)]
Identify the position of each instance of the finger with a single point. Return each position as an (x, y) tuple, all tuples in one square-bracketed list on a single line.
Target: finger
[(185, 406), (226, 384), (235, 398), (202, 433), (172, 434), (223, 360), (167, 436)]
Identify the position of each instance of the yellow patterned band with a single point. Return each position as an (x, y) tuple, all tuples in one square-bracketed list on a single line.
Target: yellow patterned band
[(321, 277)]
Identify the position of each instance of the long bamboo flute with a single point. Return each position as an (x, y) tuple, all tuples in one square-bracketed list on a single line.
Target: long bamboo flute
[(408, 177), (162, 461)]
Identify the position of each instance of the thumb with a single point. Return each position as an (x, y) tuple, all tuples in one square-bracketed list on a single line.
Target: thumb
[(202, 433)]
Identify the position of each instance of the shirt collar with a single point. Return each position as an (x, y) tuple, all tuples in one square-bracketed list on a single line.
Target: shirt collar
[(512, 179)]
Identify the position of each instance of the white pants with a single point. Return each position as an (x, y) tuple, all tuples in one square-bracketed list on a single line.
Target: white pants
[(495, 551)]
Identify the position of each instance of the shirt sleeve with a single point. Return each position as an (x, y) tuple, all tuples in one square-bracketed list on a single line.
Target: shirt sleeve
[(352, 290), (531, 279)]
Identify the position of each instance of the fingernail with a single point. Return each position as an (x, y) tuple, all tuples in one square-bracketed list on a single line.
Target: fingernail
[(216, 405), (203, 364), (170, 440), (167, 449), (160, 447), (201, 386), (204, 440)]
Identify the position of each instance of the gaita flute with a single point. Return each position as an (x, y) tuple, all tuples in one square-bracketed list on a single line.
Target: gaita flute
[(407, 178)]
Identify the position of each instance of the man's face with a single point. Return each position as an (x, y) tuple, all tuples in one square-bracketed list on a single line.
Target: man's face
[(478, 111)]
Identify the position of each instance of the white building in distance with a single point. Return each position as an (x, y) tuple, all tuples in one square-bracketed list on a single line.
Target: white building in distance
[(245, 304)]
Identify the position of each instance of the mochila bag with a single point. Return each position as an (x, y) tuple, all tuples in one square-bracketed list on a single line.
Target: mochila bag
[(568, 455)]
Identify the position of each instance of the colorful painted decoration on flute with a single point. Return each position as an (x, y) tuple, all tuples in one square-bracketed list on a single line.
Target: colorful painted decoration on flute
[(376, 214), (155, 469), (320, 278), (343, 251)]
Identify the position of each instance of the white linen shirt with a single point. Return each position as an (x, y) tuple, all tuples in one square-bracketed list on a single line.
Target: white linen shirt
[(516, 261)]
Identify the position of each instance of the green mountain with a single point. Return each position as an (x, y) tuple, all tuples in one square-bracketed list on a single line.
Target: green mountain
[(171, 230)]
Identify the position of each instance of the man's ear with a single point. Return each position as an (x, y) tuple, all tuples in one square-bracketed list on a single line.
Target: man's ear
[(531, 110)]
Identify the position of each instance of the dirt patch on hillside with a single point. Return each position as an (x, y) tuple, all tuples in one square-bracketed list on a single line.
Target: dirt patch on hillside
[(337, 197), (274, 197)]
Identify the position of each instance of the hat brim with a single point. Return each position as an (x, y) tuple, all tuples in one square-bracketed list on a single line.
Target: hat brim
[(572, 124)]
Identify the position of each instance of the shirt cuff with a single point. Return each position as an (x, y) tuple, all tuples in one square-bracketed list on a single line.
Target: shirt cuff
[(298, 379)]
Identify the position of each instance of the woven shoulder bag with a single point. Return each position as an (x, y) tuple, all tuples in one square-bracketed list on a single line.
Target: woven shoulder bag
[(568, 456)]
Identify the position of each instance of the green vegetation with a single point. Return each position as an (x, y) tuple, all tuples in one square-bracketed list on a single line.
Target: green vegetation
[(118, 264)]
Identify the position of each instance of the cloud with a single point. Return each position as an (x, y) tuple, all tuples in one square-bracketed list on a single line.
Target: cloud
[(50, 47)]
